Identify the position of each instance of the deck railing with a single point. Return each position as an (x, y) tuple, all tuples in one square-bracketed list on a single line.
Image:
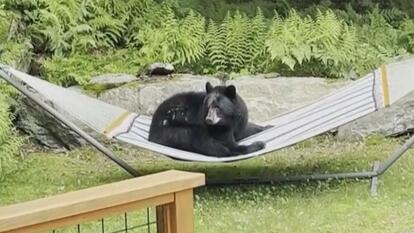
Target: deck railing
[(170, 192)]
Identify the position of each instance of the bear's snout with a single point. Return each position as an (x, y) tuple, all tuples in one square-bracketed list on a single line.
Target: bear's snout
[(212, 117)]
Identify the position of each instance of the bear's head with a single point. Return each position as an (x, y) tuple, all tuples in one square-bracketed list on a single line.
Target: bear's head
[(220, 105)]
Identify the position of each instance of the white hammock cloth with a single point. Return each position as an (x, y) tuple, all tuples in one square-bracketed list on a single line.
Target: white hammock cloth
[(376, 90)]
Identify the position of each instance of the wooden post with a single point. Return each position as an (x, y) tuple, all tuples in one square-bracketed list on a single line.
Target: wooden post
[(177, 217), (164, 218)]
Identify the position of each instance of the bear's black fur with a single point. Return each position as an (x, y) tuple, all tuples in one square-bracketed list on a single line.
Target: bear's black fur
[(208, 122)]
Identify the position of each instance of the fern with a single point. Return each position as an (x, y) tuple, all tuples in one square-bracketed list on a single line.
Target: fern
[(173, 40), (215, 46), (4, 24), (406, 38), (107, 30), (237, 44), (257, 34), (325, 42), (326, 45), (290, 40), (9, 142), (79, 68), (380, 41), (61, 27), (190, 44), (394, 16), (235, 41)]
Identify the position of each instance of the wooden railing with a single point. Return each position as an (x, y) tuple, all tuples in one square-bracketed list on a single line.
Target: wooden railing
[(171, 192)]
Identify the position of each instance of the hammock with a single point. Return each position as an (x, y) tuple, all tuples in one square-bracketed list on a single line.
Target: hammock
[(377, 90)]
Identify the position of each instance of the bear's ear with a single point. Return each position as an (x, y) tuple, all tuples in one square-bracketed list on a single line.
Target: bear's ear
[(209, 87), (231, 92)]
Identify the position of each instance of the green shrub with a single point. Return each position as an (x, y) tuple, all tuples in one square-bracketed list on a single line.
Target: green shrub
[(378, 41), (217, 10), (4, 25), (300, 42), (15, 54), (316, 40), (237, 44), (79, 69), (62, 27), (179, 41), (406, 36), (9, 142), (325, 45)]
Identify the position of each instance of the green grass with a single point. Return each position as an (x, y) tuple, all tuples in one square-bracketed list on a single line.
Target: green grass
[(331, 206)]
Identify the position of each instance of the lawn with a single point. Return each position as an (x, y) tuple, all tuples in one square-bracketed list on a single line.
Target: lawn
[(330, 206)]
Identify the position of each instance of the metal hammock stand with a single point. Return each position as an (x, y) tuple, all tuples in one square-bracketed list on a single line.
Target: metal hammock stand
[(377, 170)]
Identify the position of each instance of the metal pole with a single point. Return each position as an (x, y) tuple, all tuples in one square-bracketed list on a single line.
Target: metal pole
[(280, 179), (396, 155), (72, 126), (377, 171)]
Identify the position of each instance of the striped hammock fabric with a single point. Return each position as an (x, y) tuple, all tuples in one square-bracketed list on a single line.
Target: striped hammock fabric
[(377, 90)]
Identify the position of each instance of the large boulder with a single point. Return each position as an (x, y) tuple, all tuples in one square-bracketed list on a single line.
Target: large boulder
[(144, 98), (392, 121), (268, 97), (112, 80), (43, 129)]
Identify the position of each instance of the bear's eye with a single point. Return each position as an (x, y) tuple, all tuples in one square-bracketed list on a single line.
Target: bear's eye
[(218, 110)]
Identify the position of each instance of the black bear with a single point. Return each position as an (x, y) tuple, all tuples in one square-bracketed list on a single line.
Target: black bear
[(208, 122)]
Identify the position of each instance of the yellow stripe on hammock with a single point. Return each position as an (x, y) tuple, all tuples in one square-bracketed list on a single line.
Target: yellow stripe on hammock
[(116, 122), (385, 89)]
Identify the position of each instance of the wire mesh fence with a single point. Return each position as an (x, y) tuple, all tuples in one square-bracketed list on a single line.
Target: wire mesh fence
[(142, 221)]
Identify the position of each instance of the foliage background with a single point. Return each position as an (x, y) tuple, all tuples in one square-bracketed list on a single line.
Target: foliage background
[(9, 141), (333, 39)]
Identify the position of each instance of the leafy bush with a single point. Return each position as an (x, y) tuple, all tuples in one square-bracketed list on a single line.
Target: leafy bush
[(78, 69), (406, 36), (325, 40), (320, 44), (326, 45), (15, 53), (61, 27), (172, 40), (217, 10), (378, 41), (316, 41), (9, 141), (4, 25), (237, 44)]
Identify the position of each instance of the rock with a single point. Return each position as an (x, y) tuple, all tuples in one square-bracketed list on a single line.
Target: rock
[(77, 88), (392, 121), (265, 97), (159, 69), (145, 98), (351, 75), (112, 79), (268, 97), (43, 129), (271, 75)]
